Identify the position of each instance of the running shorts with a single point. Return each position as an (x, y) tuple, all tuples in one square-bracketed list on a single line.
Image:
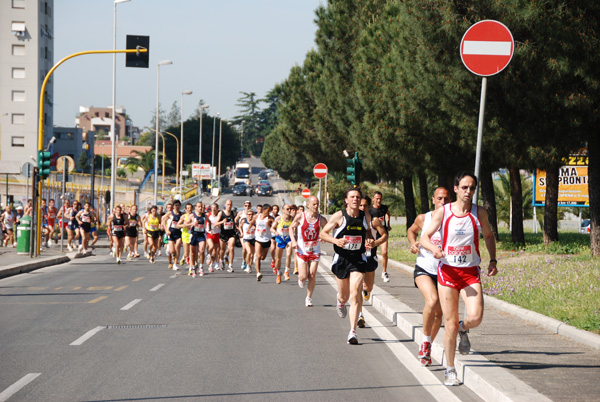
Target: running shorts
[(227, 234), (309, 257), (251, 241), (86, 226), (175, 235), (213, 236), (264, 244), (197, 239), (119, 234), (342, 267), (372, 262), (457, 278), (420, 272), (131, 232), (154, 234), (281, 241)]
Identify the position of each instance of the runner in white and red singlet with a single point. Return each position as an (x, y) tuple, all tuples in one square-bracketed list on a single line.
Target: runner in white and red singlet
[(458, 271), (304, 234)]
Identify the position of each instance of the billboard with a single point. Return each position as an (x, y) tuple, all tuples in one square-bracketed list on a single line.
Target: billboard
[(573, 190)]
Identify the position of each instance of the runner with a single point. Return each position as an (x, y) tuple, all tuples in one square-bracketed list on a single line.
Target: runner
[(196, 224), (51, 212), (171, 219), (281, 236), (73, 231), (164, 238), (247, 228), (304, 233), (62, 219), (241, 216), (8, 221), (349, 264), (228, 235), (153, 232), (293, 212), (425, 275), (144, 234), (372, 264), (186, 237), (131, 233), (94, 228), (274, 215), (380, 211), (263, 222), (85, 217), (213, 238), (458, 271), (117, 223)]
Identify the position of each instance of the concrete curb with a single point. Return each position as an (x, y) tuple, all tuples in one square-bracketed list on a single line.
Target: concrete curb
[(487, 380), (20, 268), (558, 327)]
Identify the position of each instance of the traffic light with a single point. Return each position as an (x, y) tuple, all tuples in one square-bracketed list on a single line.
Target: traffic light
[(44, 164), (138, 59), (353, 170)]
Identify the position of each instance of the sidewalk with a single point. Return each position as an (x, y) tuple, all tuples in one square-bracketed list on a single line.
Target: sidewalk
[(512, 357)]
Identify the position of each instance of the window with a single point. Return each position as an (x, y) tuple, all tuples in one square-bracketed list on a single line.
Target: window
[(18, 141), (18, 50), (18, 118), (97, 114), (18, 72), (18, 96), (106, 114), (18, 3), (18, 28)]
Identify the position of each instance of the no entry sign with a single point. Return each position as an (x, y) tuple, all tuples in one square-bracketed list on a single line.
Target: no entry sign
[(487, 47), (306, 193), (320, 170)]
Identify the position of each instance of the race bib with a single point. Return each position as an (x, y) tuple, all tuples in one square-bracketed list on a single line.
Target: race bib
[(132, 223), (174, 224), (153, 227), (353, 243), (459, 254), (197, 226), (228, 226), (261, 231), (285, 232), (310, 246), (85, 218), (118, 228)]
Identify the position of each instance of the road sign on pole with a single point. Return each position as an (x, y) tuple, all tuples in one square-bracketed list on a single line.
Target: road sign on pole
[(487, 47), (320, 170), (306, 193)]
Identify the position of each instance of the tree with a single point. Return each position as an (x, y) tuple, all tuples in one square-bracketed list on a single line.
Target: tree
[(145, 160), (249, 118), (174, 117), (199, 109), (162, 119), (83, 163)]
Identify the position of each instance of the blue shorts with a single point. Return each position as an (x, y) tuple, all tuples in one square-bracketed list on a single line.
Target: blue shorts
[(175, 235), (281, 241), (197, 239), (93, 229)]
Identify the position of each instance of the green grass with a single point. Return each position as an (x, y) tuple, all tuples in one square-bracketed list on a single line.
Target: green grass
[(561, 280)]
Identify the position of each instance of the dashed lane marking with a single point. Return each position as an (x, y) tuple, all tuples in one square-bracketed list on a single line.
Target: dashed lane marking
[(138, 279), (154, 289), (87, 336), (120, 288), (97, 299), (130, 305), (13, 389)]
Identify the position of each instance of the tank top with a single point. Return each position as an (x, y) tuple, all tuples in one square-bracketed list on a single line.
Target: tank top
[(153, 223), (86, 217), (214, 219), (9, 220), (425, 258), (51, 215), (118, 224), (199, 224), (249, 232), (308, 236), (133, 220), (354, 231), (175, 217), (228, 225), (460, 238), (263, 234), (283, 227)]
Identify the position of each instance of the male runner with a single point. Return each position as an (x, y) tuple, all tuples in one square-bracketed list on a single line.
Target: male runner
[(380, 211), (350, 237), (458, 271), (274, 215), (263, 222), (239, 218), (281, 236), (372, 264), (227, 235), (170, 221), (425, 275), (131, 232), (304, 233)]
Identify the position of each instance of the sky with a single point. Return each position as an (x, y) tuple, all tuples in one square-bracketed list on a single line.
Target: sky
[(218, 48)]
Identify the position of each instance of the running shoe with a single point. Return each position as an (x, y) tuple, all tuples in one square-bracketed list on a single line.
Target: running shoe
[(425, 354), (352, 338), (366, 295), (227, 259), (118, 260), (201, 272), (230, 269), (301, 284), (210, 268), (191, 272), (341, 309), (385, 277), (187, 260), (278, 280), (258, 276), (159, 253), (216, 266), (80, 247), (286, 276), (136, 255), (361, 321), (71, 249), (170, 266), (248, 269), (273, 267), (451, 378), (308, 302), (129, 257), (175, 267), (295, 271), (152, 260), (244, 265), (146, 255), (464, 345)]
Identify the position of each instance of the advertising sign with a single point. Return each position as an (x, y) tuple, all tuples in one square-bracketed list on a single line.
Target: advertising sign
[(573, 189)]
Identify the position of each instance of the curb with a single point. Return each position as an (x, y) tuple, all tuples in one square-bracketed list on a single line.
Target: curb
[(557, 327), (20, 268), (487, 380)]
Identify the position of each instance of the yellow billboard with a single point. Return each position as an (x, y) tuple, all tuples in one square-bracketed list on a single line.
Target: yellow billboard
[(572, 184)]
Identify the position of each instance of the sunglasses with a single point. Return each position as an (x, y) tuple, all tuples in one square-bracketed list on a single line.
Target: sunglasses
[(465, 188)]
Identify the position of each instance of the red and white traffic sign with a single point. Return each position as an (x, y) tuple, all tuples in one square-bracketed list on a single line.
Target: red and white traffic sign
[(320, 170), (306, 193), (487, 47)]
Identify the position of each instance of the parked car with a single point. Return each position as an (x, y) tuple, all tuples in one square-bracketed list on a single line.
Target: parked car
[(264, 189), (263, 175), (585, 226), (242, 189), (270, 172), (264, 182)]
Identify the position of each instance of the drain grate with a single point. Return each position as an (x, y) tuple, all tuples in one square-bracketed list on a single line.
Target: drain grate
[(136, 326)]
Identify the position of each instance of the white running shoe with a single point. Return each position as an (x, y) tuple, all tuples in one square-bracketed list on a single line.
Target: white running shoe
[(385, 277), (175, 267), (118, 260), (230, 269), (308, 302), (146, 255), (341, 309), (301, 284), (71, 249), (451, 378), (352, 338), (259, 276), (159, 253)]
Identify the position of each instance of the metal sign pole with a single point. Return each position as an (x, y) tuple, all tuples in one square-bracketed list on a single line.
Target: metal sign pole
[(33, 212), (325, 197), (480, 134), (64, 186), (319, 195)]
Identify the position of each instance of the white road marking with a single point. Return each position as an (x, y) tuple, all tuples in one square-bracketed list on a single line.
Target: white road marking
[(173, 276), (87, 336), (487, 48), (130, 305), (154, 289), (13, 389)]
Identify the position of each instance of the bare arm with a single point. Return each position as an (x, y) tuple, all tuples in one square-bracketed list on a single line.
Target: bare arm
[(490, 241), (293, 228), (333, 223), (274, 225), (378, 226), (413, 232), (436, 221)]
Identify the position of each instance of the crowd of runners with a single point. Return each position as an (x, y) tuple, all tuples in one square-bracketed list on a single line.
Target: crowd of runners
[(202, 239)]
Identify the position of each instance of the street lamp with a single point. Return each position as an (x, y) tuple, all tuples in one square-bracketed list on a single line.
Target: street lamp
[(212, 163), (181, 160), (160, 63), (165, 155), (200, 149), (113, 168), (220, 142)]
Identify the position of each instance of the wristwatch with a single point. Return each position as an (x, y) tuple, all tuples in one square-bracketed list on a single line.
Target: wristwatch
[(494, 261)]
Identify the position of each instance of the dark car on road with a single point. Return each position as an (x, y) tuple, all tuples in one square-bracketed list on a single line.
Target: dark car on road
[(263, 175), (264, 189), (242, 189)]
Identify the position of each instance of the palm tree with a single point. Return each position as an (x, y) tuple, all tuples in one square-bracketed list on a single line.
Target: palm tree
[(145, 161)]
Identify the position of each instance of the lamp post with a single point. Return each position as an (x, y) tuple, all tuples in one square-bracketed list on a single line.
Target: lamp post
[(200, 148), (212, 163), (113, 166), (220, 142), (165, 154), (181, 160), (160, 63)]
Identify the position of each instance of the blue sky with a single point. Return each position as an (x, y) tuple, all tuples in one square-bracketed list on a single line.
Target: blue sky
[(218, 48)]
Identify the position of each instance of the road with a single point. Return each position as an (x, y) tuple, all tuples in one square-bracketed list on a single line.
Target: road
[(91, 330)]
